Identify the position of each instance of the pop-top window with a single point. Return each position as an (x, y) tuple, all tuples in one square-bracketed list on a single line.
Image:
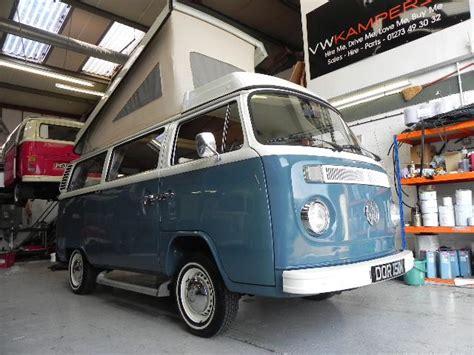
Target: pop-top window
[(137, 156), (224, 123), (58, 133), (87, 173)]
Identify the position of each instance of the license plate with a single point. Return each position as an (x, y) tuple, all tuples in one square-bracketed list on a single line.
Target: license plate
[(387, 271), (60, 165)]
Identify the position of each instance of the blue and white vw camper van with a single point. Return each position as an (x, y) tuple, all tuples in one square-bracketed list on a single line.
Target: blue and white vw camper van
[(258, 187)]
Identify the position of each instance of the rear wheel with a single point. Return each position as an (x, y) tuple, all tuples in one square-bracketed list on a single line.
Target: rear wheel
[(18, 198), (82, 275), (320, 297), (204, 302)]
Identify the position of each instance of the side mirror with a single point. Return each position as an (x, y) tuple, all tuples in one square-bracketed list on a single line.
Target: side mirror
[(206, 145)]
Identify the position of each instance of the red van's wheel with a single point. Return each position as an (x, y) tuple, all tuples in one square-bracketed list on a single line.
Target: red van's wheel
[(18, 198), (82, 275), (204, 302)]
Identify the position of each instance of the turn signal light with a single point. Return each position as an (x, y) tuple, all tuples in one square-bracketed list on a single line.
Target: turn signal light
[(32, 164)]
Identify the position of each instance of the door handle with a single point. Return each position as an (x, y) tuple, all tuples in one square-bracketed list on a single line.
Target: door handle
[(149, 200), (166, 195)]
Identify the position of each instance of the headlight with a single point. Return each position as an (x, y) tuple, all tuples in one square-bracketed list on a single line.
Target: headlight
[(315, 217), (395, 214)]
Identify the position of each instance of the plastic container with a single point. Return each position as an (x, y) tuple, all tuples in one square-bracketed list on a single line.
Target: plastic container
[(448, 264), (431, 270), (464, 259), (416, 276)]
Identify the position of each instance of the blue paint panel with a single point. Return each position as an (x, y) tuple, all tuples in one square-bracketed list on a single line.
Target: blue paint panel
[(349, 238), (229, 204), (113, 227)]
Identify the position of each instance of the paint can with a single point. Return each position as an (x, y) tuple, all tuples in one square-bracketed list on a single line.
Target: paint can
[(448, 201), (430, 219), (462, 213), (411, 116), (428, 195), (464, 197), (446, 216), (429, 206)]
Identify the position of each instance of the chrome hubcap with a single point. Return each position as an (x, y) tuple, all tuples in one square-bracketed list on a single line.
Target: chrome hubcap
[(197, 295), (77, 269)]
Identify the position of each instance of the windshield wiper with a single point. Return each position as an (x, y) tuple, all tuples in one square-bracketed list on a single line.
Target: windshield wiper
[(302, 135), (361, 149)]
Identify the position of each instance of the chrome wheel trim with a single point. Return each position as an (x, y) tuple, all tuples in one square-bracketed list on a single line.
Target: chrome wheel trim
[(76, 270), (197, 297)]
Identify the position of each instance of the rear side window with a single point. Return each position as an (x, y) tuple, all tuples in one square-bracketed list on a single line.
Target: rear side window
[(58, 133), (87, 173), (224, 123), (136, 156)]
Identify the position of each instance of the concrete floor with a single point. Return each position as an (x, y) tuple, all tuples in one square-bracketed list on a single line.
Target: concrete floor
[(39, 315)]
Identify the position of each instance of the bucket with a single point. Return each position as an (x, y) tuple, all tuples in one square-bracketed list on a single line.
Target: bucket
[(416, 276)]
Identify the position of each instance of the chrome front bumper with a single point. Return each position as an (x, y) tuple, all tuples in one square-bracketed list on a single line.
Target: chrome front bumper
[(338, 278)]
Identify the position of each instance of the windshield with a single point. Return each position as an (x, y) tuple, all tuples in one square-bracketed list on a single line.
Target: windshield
[(286, 119)]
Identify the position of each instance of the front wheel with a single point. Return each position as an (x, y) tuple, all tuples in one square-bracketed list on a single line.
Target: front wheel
[(204, 302), (82, 275), (320, 296)]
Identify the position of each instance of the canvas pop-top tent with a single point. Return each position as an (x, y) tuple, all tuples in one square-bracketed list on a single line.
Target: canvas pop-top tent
[(183, 50)]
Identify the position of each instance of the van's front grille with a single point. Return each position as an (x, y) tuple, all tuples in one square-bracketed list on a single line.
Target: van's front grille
[(345, 175), (64, 180)]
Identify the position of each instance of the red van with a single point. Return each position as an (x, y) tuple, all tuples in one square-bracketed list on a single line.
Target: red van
[(35, 155)]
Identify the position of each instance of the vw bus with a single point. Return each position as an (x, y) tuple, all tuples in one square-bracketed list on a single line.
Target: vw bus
[(35, 155), (257, 188)]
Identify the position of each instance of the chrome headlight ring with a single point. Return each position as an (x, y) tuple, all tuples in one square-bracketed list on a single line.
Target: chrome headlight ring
[(315, 217)]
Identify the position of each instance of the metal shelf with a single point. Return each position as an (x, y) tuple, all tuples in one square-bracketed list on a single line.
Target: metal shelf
[(455, 131), (441, 179), (439, 230)]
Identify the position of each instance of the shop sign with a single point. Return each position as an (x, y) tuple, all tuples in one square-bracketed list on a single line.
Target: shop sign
[(342, 32)]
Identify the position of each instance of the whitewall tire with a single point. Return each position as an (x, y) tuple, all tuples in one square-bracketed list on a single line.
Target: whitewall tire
[(205, 304), (82, 275)]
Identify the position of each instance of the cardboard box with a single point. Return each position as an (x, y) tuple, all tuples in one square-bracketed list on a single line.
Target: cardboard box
[(428, 154), (452, 160)]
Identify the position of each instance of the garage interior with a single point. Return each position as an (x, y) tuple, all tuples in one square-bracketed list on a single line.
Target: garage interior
[(400, 74)]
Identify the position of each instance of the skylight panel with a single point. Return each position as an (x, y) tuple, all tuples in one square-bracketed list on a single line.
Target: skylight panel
[(120, 38), (47, 15)]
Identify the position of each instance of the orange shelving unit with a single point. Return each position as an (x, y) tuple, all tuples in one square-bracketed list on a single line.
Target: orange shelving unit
[(439, 230), (455, 131), (441, 179)]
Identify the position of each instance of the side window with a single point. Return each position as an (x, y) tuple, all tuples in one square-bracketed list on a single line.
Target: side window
[(87, 172), (137, 156), (223, 122)]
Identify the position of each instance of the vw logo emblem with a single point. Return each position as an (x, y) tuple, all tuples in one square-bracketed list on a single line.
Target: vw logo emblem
[(372, 212)]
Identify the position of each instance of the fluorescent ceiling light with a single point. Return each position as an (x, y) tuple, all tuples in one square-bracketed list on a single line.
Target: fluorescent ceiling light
[(120, 38), (80, 90), (48, 15), (371, 95), (50, 74)]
